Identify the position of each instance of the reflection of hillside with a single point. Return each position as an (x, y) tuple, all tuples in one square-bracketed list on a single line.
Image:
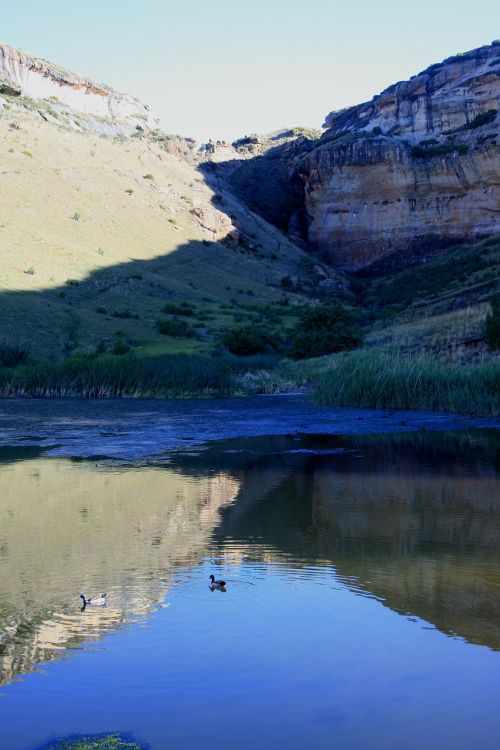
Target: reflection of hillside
[(419, 528), (91, 529)]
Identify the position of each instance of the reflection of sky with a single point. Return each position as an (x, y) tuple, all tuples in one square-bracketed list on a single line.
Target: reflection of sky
[(310, 646), (297, 662)]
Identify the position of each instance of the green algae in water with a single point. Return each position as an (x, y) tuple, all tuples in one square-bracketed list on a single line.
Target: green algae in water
[(94, 742)]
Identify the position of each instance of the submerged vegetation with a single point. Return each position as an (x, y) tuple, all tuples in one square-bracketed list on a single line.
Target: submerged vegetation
[(94, 742)]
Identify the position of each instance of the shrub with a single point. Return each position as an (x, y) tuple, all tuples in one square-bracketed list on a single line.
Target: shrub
[(286, 282), (484, 118), (149, 176), (377, 130), (174, 327), (72, 282), (184, 309), (120, 348), (324, 330), (12, 355), (101, 310), (247, 340), (129, 191), (423, 151), (492, 325), (30, 271), (76, 216), (127, 314)]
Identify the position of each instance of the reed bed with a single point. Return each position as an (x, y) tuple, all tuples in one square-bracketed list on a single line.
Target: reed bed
[(391, 381), (129, 376)]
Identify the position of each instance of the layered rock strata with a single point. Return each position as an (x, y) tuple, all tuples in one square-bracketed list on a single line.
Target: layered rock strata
[(96, 107), (395, 180)]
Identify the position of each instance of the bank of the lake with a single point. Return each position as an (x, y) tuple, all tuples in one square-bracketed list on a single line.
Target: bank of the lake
[(362, 378)]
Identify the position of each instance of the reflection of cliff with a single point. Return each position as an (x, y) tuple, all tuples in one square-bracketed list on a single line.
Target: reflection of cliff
[(91, 529), (422, 535)]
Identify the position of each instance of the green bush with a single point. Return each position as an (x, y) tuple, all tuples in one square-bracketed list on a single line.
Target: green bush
[(184, 309), (127, 314), (427, 151), (324, 330), (484, 118), (492, 325), (286, 282), (247, 340), (121, 348), (12, 355), (174, 327)]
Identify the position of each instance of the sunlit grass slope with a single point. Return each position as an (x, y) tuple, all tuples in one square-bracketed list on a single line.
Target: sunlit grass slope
[(97, 235)]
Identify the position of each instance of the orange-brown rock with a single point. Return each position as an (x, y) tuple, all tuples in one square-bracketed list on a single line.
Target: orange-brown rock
[(395, 180)]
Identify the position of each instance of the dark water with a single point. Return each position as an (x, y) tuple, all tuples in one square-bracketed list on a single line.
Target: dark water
[(362, 608)]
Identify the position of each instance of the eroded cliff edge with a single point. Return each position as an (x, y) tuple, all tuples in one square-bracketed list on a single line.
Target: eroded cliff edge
[(395, 180), (74, 100)]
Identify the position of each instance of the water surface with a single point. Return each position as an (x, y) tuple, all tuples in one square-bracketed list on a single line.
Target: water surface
[(362, 608)]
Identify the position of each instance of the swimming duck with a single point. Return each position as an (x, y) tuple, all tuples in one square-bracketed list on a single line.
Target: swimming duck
[(216, 584), (95, 600)]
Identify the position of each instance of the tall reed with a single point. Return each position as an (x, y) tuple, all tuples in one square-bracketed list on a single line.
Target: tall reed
[(385, 380)]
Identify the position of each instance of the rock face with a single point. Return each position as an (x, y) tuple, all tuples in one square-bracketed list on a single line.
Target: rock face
[(395, 180), (103, 110)]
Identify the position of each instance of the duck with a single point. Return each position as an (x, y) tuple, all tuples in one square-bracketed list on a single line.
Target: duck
[(216, 584), (94, 600)]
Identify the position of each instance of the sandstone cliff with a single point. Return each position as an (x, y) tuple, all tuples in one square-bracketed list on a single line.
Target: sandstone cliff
[(77, 101), (394, 180)]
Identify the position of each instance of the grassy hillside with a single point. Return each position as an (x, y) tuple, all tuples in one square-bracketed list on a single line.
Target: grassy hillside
[(438, 307), (116, 254), (98, 236)]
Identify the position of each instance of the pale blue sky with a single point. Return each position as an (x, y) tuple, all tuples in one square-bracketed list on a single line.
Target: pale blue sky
[(225, 68)]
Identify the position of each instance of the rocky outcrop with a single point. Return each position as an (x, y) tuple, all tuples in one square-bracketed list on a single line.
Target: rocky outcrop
[(261, 171), (395, 180), (96, 107)]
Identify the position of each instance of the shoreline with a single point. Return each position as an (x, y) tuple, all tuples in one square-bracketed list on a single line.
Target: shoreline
[(152, 429)]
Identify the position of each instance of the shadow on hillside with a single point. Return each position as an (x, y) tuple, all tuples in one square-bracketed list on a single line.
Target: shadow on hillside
[(268, 186), (129, 297)]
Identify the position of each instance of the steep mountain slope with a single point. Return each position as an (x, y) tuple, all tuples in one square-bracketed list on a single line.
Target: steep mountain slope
[(98, 234), (80, 103), (412, 171), (394, 181)]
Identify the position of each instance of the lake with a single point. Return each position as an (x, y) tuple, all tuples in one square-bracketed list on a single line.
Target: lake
[(361, 552)]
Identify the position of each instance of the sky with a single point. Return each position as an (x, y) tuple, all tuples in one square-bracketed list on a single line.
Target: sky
[(222, 69)]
